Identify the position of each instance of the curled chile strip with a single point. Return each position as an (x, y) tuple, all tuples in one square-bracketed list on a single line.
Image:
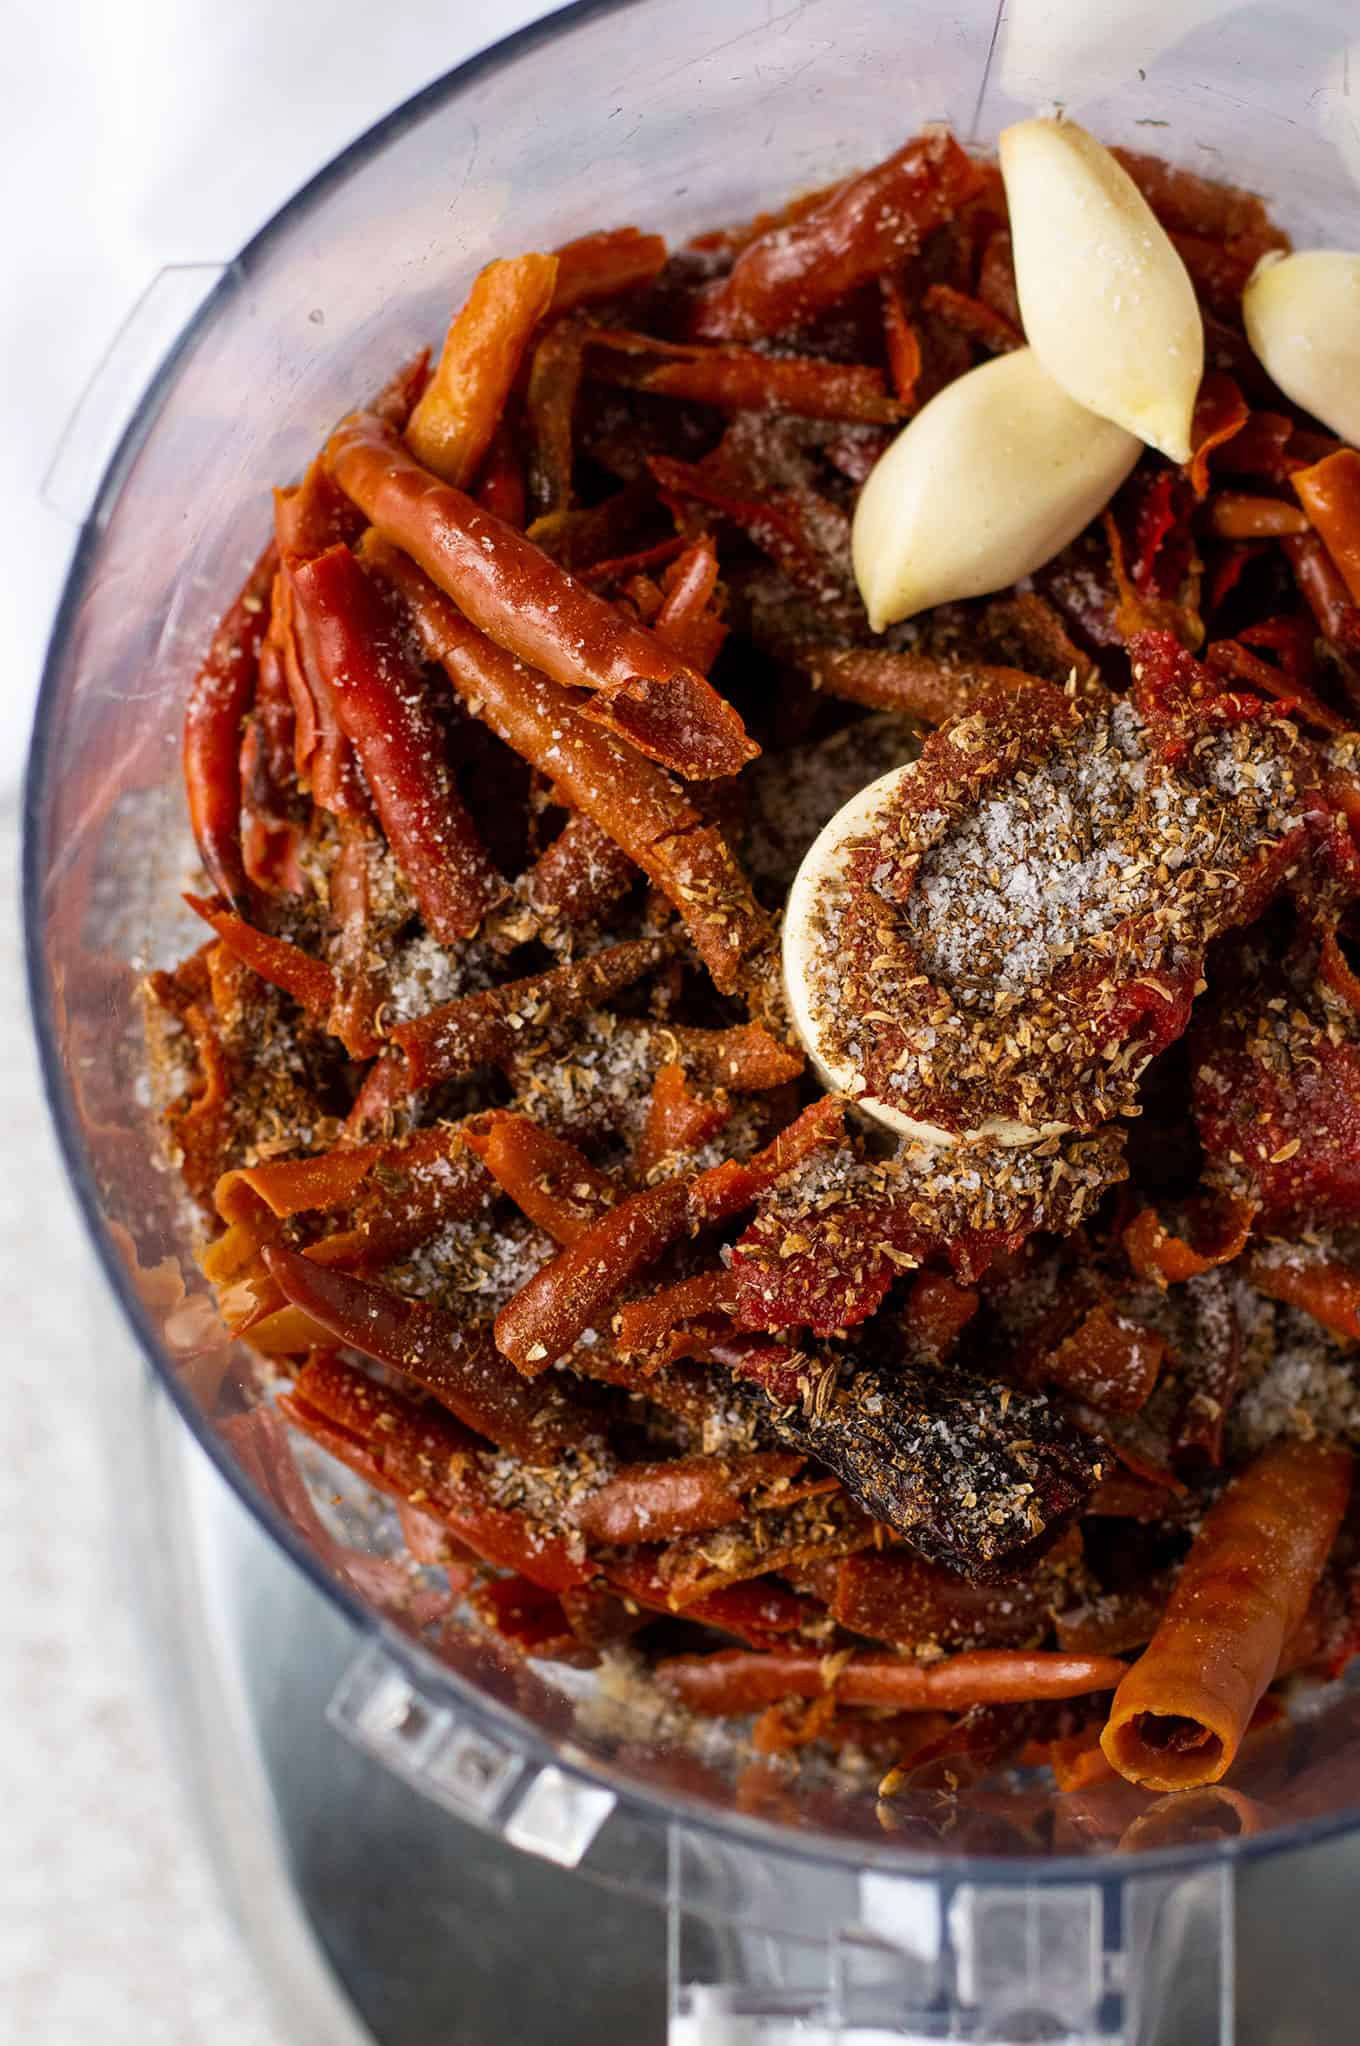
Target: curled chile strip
[(895, 1596), (485, 1029), (1324, 589), (1322, 1286), (742, 379), (385, 1199), (283, 964), (361, 983), (677, 1120), (688, 1495), (997, 332), (580, 876), (546, 1177), (452, 427), (420, 1454), (923, 686), (597, 267), (1329, 492), (314, 515), (1180, 1713)]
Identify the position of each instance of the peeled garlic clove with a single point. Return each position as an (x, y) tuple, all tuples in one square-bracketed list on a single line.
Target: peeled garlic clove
[(1107, 303), (1302, 317), (813, 891), (989, 481)]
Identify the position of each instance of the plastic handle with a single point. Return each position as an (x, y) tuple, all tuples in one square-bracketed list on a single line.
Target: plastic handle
[(464, 1767), (129, 363)]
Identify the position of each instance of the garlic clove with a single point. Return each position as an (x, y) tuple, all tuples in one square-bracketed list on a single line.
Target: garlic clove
[(808, 957), (813, 891), (1107, 303), (989, 481), (1302, 316)]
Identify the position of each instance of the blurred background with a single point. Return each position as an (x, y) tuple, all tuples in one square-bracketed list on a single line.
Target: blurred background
[(137, 135)]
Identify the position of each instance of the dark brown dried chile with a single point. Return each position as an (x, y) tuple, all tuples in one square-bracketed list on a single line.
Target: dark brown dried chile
[(976, 1476)]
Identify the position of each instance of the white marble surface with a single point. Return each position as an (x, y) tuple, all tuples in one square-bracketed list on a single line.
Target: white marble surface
[(111, 1930), (147, 132), (138, 133)]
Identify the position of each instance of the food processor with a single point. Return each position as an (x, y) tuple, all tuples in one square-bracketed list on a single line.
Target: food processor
[(455, 1846)]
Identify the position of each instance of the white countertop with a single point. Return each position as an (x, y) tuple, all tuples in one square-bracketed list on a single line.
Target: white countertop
[(112, 1933), (162, 131)]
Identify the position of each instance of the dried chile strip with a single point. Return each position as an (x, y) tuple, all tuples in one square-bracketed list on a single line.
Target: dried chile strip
[(740, 379), (732, 1680), (644, 810), (652, 1502), (644, 1325), (361, 982), (795, 270), (484, 1029), (1325, 1287), (379, 698), (1180, 1713), (547, 1178), (313, 515), (901, 340), (218, 701), (973, 318), (1190, 204), (326, 762), (579, 877), (1221, 414), (688, 620), (605, 265), (1324, 591), (450, 429), (420, 1454), (440, 1352), (921, 686), (284, 965), (894, 1596), (549, 410), (678, 1119), (553, 1309), (1236, 515), (1329, 492), (533, 609)]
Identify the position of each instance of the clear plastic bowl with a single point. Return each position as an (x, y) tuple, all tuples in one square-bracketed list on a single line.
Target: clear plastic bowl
[(677, 117)]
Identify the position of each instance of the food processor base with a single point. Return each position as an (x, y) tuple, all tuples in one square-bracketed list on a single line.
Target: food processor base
[(378, 1919)]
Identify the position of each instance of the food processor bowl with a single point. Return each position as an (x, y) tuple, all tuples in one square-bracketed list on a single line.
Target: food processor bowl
[(987, 1914)]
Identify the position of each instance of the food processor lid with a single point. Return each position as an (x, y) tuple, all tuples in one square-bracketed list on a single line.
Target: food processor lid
[(445, 1732)]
